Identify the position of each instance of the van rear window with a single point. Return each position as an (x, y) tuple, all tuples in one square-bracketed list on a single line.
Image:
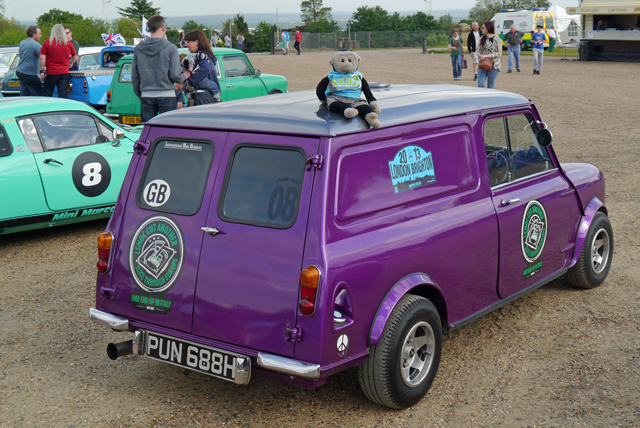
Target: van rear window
[(262, 186), (175, 177)]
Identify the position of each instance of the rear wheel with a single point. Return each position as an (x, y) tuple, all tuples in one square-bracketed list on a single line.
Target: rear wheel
[(594, 262), (524, 46), (402, 366)]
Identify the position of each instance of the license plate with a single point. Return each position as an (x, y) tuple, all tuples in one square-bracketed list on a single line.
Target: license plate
[(14, 84), (131, 120), (201, 358)]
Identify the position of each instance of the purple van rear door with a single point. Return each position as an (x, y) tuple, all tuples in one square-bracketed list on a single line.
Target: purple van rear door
[(156, 260), (248, 278)]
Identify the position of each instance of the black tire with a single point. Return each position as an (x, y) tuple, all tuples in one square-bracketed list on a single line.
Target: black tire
[(382, 377), (594, 262), (275, 91), (524, 46)]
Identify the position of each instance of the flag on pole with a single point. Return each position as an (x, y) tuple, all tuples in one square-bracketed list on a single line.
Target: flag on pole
[(112, 39), (145, 31)]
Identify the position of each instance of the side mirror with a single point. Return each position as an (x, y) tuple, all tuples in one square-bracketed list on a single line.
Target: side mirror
[(117, 134), (544, 137), (257, 73)]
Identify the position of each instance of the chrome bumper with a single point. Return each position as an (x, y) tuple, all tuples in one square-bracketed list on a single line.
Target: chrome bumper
[(111, 115), (288, 366), (112, 321)]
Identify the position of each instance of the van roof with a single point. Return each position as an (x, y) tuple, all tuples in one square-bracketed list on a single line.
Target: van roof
[(301, 113)]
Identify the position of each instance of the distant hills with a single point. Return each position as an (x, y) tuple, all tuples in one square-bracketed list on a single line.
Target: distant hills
[(291, 19)]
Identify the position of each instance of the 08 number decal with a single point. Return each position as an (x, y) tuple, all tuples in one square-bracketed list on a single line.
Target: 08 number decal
[(283, 203)]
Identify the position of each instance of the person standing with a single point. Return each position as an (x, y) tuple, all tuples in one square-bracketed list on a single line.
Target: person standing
[(202, 77), (286, 45), (227, 41), (514, 40), (455, 46), (552, 38), (298, 40), (57, 55), (155, 69), (538, 40), (181, 42), (27, 70), (76, 45), (240, 40), (283, 42), (491, 48), (215, 39), (473, 41)]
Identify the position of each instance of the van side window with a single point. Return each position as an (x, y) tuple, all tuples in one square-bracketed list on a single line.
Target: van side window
[(5, 145), (175, 177), (263, 186), (512, 149), (497, 151), (507, 24)]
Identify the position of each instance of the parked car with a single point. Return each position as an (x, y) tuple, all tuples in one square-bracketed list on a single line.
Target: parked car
[(246, 244), (237, 77), (7, 56), (89, 83), (67, 158)]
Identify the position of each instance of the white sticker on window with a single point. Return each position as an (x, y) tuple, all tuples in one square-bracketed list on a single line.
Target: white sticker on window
[(157, 193)]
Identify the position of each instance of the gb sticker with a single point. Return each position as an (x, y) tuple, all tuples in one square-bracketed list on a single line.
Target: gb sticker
[(156, 193), (91, 174)]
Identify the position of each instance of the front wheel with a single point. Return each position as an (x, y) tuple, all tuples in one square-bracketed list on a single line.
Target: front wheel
[(402, 366), (594, 262), (524, 46)]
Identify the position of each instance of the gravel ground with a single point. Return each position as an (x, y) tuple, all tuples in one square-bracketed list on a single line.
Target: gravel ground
[(559, 357)]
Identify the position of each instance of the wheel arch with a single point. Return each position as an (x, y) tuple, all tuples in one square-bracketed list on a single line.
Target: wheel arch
[(275, 91), (594, 206), (419, 284)]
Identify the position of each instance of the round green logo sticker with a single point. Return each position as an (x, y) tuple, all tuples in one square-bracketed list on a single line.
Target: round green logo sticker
[(534, 231), (156, 254)]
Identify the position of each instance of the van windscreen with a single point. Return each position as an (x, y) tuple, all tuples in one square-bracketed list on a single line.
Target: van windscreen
[(175, 177)]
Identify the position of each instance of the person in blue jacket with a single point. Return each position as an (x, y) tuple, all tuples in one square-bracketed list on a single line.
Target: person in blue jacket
[(202, 76)]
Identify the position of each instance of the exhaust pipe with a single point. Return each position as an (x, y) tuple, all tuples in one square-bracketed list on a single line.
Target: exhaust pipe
[(116, 350)]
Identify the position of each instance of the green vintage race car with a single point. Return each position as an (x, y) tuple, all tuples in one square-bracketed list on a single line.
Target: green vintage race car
[(236, 75), (60, 162)]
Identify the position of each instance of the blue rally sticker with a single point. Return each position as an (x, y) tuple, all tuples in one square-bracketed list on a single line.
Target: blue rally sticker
[(412, 167)]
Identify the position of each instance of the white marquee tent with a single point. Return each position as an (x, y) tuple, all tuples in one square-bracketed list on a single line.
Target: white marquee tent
[(567, 26)]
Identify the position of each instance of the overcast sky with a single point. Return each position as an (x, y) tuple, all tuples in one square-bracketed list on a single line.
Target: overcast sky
[(29, 10)]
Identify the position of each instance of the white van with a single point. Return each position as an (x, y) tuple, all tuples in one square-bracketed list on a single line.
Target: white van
[(525, 21)]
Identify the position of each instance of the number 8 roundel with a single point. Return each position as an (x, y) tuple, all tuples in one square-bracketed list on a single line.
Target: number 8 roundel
[(91, 174)]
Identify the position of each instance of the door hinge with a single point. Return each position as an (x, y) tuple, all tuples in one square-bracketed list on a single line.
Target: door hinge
[(314, 161), (293, 334)]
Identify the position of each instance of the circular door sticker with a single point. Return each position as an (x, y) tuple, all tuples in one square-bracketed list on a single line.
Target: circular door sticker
[(91, 174), (156, 193), (156, 254), (534, 231)]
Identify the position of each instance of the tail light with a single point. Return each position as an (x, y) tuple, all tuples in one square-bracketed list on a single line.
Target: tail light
[(109, 95), (309, 279), (104, 251)]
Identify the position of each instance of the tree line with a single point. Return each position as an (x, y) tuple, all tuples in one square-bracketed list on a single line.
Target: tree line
[(315, 18)]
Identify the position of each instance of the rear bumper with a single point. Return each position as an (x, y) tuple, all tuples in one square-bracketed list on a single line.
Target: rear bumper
[(274, 363)]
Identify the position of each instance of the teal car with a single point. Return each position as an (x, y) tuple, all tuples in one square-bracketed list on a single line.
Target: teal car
[(236, 75), (60, 162)]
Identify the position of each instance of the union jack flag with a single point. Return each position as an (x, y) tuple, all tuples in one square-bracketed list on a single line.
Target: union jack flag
[(112, 39)]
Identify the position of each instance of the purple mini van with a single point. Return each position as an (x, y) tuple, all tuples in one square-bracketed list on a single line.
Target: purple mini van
[(274, 237)]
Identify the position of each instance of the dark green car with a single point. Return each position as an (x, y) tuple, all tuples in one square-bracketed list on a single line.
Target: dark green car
[(237, 77)]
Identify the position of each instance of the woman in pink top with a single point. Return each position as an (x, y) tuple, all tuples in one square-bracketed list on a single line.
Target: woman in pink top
[(57, 55)]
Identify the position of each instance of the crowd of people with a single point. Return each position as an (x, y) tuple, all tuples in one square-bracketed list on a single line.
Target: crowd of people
[(485, 48)]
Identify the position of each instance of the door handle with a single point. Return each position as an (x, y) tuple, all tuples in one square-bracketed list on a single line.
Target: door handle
[(229, 86), (49, 160), (505, 202), (211, 230)]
